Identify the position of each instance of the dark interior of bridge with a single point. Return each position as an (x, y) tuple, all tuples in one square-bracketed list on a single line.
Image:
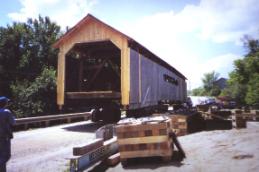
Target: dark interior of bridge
[(93, 66)]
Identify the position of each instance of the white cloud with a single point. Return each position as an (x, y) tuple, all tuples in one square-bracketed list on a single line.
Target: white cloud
[(222, 64), (63, 12), (214, 21), (224, 21)]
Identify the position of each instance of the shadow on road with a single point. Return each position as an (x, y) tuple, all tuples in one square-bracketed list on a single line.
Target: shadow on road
[(88, 128), (101, 167), (151, 163), (154, 162)]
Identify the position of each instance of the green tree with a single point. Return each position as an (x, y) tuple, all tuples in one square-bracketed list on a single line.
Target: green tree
[(26, 54), (252, 96), (198, 91), (37, 97), (209, 85), (10, 53), (243, 82)]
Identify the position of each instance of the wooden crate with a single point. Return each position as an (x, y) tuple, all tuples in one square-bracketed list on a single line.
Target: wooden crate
[(145, 137)]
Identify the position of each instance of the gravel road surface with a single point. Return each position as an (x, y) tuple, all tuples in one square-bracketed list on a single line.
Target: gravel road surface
[(48, 149)]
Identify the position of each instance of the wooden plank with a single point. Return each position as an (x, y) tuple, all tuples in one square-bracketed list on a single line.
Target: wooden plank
[(181, 120), (93, 94), (28, 120), (80, 163), (138, 127), (139, 140), (125, 74), (113, 159), (105, 132), (93, 145), (150, 146), (143, 133), (61, 78)]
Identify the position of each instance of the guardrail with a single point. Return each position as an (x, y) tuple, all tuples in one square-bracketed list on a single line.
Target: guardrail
[(45, 121)]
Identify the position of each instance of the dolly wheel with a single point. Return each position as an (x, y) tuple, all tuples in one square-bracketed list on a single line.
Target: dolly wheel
[(111, 113), (124, 163), (95, 115)]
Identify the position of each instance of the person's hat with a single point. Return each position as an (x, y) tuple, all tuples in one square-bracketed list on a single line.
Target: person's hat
[(4, 99)]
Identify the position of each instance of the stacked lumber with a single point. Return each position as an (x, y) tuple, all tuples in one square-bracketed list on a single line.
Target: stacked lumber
[(225, 114), (238, 120), (104, 147), (252, 115), (256, 115), (185, 122), (203, 108), (179, 124), (144, 137), (84, 149), (240, 117)]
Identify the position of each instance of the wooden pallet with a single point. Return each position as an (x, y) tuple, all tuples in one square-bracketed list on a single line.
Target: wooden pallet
[(145, 137)]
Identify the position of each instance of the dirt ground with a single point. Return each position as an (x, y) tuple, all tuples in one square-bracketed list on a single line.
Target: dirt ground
[(220, 150)]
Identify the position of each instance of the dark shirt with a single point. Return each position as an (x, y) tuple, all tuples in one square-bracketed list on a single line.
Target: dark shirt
[(7, 121)]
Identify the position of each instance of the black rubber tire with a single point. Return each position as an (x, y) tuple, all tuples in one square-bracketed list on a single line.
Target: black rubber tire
[(124, 163), (111, 113), (95, 115)]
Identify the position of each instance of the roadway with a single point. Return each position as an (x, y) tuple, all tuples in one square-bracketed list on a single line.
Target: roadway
[(48, 149)]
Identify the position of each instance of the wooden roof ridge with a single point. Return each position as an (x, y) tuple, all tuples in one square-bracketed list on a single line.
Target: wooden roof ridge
[(129, 39), (80, 23)]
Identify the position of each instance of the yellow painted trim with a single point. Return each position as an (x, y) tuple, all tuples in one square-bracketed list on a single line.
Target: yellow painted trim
[(93, 31), (140, 140), (125, 74), (61, 79)]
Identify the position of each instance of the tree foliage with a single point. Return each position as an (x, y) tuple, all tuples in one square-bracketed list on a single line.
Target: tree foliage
[(243, 84), (26, 54), (209, 87), (37, 97), (198, 91), (209, 84)]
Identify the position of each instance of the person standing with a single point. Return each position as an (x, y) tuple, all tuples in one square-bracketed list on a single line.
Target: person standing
[(7, 122)]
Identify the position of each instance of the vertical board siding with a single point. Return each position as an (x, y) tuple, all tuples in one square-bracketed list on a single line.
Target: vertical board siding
[(134, 77), (147, 84)]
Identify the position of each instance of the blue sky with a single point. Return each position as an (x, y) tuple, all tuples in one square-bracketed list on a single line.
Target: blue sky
[(195, 36)]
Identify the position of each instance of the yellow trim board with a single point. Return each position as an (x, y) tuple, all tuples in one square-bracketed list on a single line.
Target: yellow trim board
[(140, 140)]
